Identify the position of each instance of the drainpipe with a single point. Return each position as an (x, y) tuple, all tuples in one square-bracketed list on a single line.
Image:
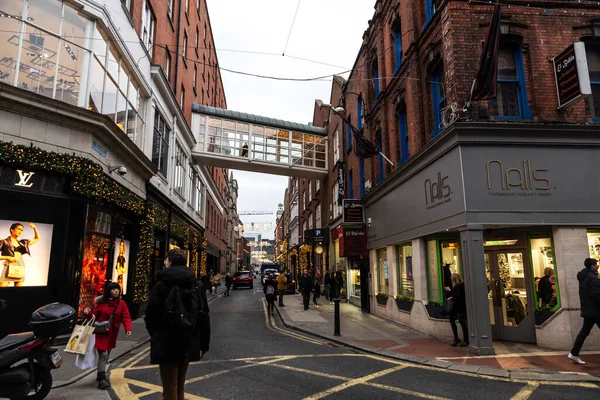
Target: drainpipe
[(178, 47)]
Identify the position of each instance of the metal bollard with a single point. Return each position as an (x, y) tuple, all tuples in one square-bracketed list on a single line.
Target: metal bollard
[(336, 317)]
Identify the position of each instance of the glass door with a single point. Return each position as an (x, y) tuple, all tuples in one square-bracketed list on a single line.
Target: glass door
[(510, 301)]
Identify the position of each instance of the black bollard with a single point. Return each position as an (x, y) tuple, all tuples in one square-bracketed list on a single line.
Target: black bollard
[(336, 317)]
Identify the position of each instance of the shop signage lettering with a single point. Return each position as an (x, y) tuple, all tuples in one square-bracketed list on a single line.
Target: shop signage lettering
[(353, 243), (571, 74), (25, 179), (353, 211), (437, 192), (341, 185), (530, 181)]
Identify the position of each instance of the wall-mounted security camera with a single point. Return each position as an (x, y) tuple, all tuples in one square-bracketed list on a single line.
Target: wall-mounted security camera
[(368, 222), (120, 169)]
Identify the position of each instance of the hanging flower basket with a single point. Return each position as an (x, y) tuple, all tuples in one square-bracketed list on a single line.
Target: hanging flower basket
[(404, 303), (382, 298)]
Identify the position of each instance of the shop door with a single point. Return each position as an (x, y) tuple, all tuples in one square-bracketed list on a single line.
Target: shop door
[(509, 298)]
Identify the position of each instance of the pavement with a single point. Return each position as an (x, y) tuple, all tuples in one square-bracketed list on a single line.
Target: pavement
[(375, 335)]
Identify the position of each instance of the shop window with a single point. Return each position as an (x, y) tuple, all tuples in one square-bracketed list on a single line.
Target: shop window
[(511, 100), (594, 244), (382, 271), (543, 265), (438, 99), (433, 272), (406, 286), (354, 282), (593, 102), (443, 260)]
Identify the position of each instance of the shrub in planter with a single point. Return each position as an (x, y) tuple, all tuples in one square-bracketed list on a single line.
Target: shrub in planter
[(405, 303), (542, 315), (382, 298), (434, 309)]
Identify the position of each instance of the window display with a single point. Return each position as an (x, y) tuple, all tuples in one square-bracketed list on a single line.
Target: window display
[(24, 253), (405, 273), (354, 283), (121, 263), (382, 273), (594, 244), (544, 271), (433, 268)]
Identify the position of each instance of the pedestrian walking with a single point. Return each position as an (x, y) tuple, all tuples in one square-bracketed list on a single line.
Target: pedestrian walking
[(228, 283), (316, 288), (216, 282), (281, 286), (177, 319), (339, 284), (456, 294), (306, 285), (111, 309), (326, 284), (589, 297), (270, 290)]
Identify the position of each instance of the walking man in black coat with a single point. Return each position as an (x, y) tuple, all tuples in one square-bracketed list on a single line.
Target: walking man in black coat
[(306, 285), (589, 296), (174, 350)]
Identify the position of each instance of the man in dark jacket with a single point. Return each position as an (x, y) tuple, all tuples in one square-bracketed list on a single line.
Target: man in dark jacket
[(306, 284), (174, 354), (589, 297)]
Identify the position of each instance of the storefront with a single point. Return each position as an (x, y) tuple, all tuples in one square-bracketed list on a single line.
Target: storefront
[(513, 221)]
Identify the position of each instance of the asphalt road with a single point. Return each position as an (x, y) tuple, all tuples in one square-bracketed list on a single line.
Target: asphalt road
[(253, 357)]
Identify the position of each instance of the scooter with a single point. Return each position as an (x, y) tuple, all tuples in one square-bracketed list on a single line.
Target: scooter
[(26, 359)]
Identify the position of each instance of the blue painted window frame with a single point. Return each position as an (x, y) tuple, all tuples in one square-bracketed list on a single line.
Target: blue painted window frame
[(350, 185), (379, 140), (429, 11), (524, 110), (438, 99), (403, 128), (376, 81), (349, 132), (359, 107), (361, 172), (397, 35)]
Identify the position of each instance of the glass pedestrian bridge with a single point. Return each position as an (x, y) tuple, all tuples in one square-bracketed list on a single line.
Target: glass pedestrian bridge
[(231, 139)]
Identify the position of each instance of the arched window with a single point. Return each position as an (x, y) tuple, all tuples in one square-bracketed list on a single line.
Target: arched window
[(511, 100)]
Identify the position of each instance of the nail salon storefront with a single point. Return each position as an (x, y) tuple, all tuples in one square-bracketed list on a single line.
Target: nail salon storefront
[(513, 208)]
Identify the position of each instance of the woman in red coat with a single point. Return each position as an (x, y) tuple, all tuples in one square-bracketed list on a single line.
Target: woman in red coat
[(109, 307)]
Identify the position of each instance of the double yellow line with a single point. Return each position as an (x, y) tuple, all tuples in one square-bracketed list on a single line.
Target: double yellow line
[(275, 328)]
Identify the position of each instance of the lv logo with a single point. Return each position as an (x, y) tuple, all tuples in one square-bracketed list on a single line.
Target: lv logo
[(25, 178)]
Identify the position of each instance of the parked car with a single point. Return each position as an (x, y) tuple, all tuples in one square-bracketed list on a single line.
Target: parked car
[(268, 272), (291, 284), (243, 278)]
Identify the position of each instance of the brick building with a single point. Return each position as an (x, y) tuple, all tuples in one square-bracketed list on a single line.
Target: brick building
[(495, 193)]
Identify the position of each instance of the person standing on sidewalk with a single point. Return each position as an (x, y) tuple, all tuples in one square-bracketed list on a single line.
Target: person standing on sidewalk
[(339, 284), (177, 319), (459, 310), (326, 282), (589, 297), (281, 286), (317, 288), (109, 308), (270, 290), (306, 284), (228, 283)]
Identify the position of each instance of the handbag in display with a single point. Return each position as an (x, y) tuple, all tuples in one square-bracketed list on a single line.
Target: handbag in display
[(103, 327), (16, 270)]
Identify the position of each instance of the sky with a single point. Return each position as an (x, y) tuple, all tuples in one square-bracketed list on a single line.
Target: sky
[(328, 32)]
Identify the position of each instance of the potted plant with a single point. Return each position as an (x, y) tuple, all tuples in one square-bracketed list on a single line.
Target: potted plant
[(542, 314), (382, 298), (404, 303), (434, 309)]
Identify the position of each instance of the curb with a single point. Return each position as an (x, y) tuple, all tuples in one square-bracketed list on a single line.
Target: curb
[(476, 370), (83, 374)]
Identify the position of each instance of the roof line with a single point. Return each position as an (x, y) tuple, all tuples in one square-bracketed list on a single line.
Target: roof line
[(259, 120)]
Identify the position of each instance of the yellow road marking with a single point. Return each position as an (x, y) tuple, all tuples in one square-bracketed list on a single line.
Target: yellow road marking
[(273, 327), (309, 372), (526, 392), (405, 391), (136, 358), (226, 371), (354, 382), (120, 385)]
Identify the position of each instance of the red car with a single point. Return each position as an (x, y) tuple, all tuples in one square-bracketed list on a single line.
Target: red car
[(243, 278)]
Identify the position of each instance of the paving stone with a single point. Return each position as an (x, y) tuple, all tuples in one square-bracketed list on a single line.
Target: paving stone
[(465, 368), (490, 371), (440, 363)]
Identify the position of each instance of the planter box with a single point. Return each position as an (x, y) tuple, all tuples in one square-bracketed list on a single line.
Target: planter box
[(542, 316), (435, 311), (404, 305), (382, 301)]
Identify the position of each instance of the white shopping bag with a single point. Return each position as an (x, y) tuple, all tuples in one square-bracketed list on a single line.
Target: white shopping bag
[(88, 360)]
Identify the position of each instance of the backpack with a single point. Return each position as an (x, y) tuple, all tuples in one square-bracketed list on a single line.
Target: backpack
[(183, 308), (270, 289)]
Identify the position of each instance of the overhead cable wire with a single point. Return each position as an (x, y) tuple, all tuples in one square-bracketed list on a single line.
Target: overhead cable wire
[(291, 28)]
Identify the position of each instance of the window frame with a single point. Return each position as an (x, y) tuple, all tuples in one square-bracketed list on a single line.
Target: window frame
[(381, 267), (167, 67), (380, 169), (591, 48), (397, 40), (430, 11), (164, 135), (336, 147), (530, 235), (399, 285), (185, 44), (359, 106), (361, 173), (349, 132), (375, 74), (524, 109), (403, 133), (148, 27), (438, 99), (170, 10)]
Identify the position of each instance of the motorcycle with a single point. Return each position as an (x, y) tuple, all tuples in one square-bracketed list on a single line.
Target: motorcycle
[(27, 359)]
